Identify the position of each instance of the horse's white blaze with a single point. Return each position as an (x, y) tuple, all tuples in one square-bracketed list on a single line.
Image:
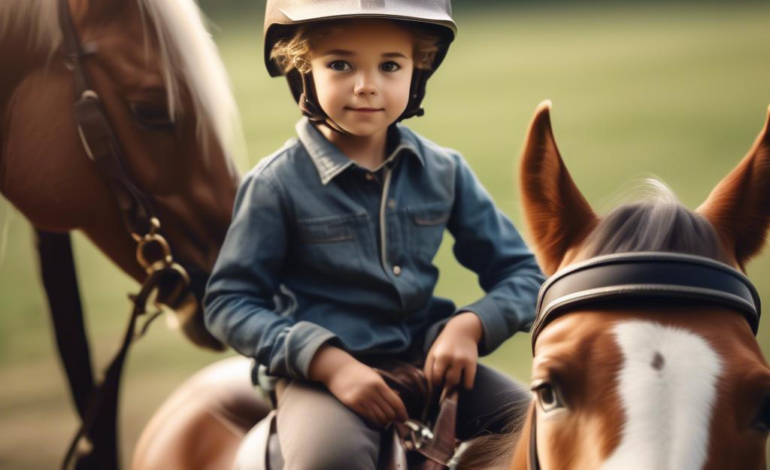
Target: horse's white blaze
[(667, 386)]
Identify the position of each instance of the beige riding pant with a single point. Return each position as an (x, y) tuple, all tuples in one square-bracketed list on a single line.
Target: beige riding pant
[(317, 432)]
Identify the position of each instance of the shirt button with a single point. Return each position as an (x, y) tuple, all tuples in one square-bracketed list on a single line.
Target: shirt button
[(369, 176), (391, 203), (397, 270)]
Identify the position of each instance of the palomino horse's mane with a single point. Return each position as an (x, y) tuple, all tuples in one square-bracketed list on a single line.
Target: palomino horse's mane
[(187, 56)]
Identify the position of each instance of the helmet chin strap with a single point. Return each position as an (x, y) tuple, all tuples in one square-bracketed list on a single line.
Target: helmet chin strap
[(308, 103)]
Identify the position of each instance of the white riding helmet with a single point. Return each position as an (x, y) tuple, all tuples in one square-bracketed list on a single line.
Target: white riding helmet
[(283, 16)]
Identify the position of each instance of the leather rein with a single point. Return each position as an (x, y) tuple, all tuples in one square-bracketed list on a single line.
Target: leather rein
[(645, 275), (167, 285)]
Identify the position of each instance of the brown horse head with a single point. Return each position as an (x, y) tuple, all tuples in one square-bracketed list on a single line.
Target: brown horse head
[(167, 98), (649, 384)]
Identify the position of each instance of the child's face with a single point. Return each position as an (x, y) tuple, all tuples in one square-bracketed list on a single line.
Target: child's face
[(363, 74)]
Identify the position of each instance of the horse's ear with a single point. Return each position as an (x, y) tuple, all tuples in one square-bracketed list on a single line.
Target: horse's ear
[(557, 214), (739, 206)]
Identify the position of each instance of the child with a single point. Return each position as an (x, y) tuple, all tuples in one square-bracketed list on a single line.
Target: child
[(328, 260)]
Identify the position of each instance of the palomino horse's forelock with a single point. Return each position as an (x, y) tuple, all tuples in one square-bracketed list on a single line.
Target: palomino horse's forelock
[(188, 58), (188, 53), (37, 19)]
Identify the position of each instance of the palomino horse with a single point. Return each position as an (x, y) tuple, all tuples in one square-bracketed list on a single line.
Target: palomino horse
[(157, 96), (655, 378)]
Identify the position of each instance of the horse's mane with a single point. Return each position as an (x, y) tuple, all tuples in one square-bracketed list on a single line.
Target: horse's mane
[(495, 451), (187, 54), (656, 222)]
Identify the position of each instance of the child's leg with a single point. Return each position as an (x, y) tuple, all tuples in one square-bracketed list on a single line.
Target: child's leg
[(317, 432), (491, 405)]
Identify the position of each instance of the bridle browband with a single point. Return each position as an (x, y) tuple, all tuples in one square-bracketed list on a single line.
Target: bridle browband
[(168, 284), (656, 276), (646, 275)]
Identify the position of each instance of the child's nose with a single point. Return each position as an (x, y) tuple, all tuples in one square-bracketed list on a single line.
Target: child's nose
[(365, 84)]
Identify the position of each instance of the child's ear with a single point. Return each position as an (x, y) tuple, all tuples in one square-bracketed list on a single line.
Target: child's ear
[(557, 214), (739, 206)]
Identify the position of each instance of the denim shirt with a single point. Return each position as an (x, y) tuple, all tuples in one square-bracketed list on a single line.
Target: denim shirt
[(321, 250)]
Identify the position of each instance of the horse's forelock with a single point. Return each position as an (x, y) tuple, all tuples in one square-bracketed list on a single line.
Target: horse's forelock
[(190, 58), (655, 222), (37, 19)]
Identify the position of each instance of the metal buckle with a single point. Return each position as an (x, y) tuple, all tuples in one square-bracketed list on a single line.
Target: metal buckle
[(153, 252), (421, 434), (169, 280)]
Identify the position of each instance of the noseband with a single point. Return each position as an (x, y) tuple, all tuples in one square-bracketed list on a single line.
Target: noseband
[(647, 275)]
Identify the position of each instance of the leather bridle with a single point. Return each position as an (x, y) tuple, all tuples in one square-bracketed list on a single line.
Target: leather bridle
[(168, 284), (647, 275)]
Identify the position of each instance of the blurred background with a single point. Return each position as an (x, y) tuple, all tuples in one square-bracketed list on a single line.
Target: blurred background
[(677, 90)]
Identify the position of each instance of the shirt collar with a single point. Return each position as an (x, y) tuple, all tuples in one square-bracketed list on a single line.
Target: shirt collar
[(330, 161)]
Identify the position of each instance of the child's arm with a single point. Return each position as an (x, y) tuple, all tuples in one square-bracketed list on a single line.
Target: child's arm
[(487, 243), (239, 303)]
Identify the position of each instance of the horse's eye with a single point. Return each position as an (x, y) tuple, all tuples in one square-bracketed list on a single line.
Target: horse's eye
[(548, 396), (762, 421), (152, 116)]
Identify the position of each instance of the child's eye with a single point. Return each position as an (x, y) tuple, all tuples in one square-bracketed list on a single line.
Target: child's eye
[(390, 67), (340, 66)]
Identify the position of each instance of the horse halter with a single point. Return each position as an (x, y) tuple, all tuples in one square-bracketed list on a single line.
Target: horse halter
[(645, 275)]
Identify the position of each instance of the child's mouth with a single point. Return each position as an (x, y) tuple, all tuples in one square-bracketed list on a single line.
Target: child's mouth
[(365, 110)]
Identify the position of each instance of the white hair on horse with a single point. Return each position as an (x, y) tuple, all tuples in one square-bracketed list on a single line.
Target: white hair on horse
[(187, 54), (187, 50), (39, 18)]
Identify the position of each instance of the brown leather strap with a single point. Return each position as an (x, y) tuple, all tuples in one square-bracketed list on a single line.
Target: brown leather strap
[(442, 447), (533, 460), (409, 382), (648, 275)]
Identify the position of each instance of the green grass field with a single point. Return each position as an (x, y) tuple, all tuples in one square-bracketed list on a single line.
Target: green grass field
[(675, 92)]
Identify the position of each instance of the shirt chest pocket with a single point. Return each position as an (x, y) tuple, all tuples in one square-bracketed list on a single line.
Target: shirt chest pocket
[(427, 224), (330, 245)]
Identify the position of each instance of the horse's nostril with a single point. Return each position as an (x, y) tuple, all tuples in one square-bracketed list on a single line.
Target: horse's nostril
[(658, 361)]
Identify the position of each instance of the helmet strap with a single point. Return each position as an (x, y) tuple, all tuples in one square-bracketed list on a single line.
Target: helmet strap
[(416, 95), (308, 104), (308, 101)]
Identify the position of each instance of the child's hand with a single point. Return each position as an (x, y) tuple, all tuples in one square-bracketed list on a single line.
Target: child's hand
[(358, 387), (455, 353)]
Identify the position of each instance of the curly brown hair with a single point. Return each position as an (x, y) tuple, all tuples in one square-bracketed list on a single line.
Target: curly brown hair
[(293, 51)]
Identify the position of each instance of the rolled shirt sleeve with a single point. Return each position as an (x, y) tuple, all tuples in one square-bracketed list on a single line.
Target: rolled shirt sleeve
[(238, 306), (487, 243)]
